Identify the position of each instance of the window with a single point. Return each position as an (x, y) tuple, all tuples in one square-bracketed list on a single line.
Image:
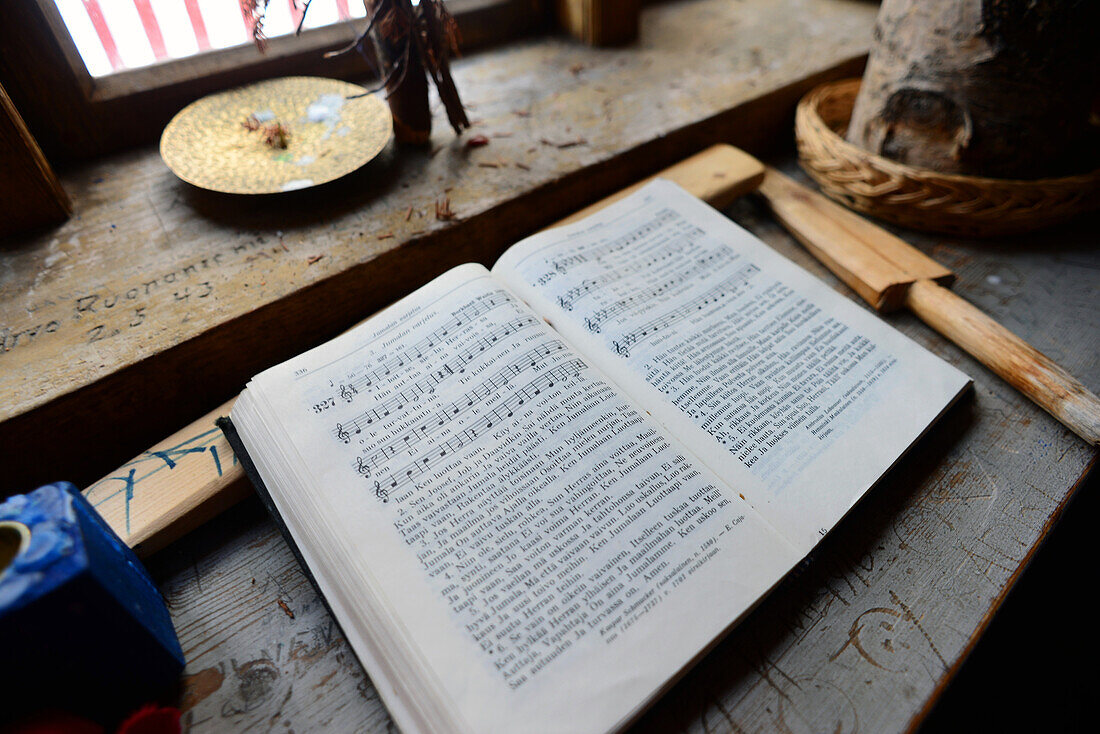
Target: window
[(114, 35), (92, 76)]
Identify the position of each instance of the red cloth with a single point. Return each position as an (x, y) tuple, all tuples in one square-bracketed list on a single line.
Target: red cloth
[(152, 719)]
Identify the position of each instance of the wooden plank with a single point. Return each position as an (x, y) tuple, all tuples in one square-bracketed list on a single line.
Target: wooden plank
[(30, 194), (600, 22), (861, 639), (159, 295), (171, 487)]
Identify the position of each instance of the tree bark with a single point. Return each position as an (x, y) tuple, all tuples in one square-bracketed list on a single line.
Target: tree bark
[(998, 88)]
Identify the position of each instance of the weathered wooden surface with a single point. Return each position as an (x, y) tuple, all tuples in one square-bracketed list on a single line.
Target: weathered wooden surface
[(1015, 361), (278, 659), (861, 639), (157, 301)]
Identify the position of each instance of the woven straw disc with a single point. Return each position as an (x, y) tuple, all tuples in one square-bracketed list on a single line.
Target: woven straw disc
[(332, 133), (920, 198)]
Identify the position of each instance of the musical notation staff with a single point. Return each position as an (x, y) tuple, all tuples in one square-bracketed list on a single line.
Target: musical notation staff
[(727, 288), (662, 252), (596, 250), (456, 365), (427, 385), (714, 259), (501, 378), (481, 305), (568, 299), (348, 392), (440, 452)]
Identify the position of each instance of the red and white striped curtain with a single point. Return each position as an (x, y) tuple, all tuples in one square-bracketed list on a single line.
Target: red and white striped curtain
[(112, 35)]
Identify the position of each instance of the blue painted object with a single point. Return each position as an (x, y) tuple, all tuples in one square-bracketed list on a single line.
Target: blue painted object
[(82, 627)]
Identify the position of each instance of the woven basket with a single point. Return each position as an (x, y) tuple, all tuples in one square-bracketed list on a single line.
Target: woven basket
[(920, 198)]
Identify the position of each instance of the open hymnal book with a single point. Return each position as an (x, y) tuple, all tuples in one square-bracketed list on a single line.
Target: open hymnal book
[(532, 496)]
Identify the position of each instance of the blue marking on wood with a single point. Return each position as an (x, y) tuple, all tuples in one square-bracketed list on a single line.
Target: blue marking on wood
[(167, 458), (217, 461), (129, 497)]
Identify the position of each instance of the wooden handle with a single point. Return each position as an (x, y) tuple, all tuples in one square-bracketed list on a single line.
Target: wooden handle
[(874, 263), (1010, 357), (718, 175)]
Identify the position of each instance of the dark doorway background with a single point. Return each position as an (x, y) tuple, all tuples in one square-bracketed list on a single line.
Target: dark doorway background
[(1036, 667)]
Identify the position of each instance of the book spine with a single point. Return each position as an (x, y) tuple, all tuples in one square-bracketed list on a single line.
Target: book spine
[(234, 439)]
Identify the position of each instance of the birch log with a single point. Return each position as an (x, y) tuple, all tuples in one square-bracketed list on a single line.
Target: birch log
[(998, 88)]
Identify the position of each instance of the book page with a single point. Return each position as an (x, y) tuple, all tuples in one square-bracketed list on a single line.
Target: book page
[(798, 398), (540, 547)]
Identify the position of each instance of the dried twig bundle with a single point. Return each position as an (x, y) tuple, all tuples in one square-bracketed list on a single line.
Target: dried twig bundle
[(404, 45)]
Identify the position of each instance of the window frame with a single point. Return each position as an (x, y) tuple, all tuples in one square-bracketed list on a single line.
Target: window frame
[(100, 111), (191, 69)]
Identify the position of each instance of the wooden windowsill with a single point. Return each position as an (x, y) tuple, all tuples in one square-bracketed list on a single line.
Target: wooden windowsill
[(156, 301)]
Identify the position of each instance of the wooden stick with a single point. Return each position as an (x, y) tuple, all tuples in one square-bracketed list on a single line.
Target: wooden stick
[(193, 474), (173, 487), (871, 261), (718, 175), (888, 272), (1008, 356)]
